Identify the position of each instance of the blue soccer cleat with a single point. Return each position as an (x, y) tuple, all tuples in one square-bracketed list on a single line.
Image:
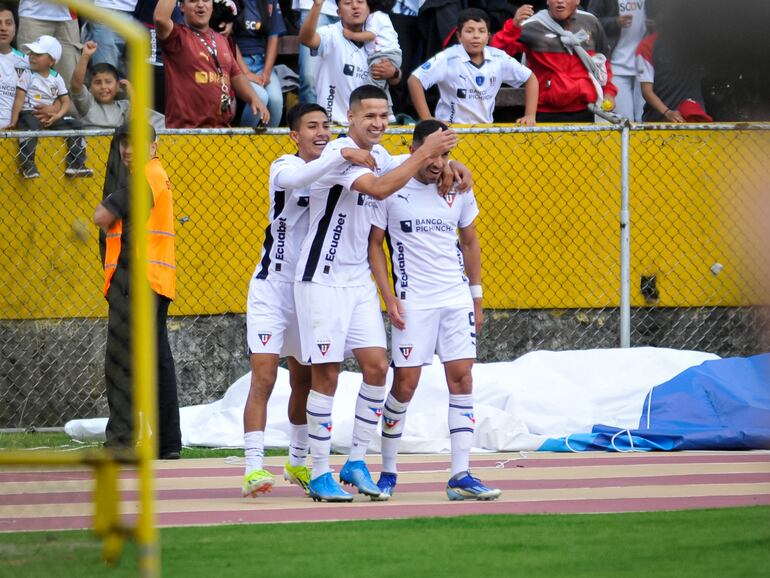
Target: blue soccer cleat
[(387, 485), (463, 486), (326, 488), (356, 474)]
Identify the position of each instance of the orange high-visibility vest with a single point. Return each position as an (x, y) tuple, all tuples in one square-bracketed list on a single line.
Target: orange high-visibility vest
[(161, 259)]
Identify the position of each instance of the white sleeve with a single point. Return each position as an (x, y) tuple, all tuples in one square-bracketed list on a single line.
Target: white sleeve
[(295, 176), (327, 40), (644, 69), (60, 86), (380, 215), (470, 209), (431, 72), (514, 73), (24, 79)]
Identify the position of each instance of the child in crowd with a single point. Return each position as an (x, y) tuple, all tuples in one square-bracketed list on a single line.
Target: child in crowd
[(41, 85), (99, 106), (469, 76), (380, 40)]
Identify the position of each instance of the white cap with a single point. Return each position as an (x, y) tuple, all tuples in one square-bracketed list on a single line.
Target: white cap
[(45, 45)]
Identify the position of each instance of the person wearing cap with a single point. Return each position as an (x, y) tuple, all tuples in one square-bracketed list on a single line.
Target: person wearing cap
[(112, 215), (200, 69), (39, 86)]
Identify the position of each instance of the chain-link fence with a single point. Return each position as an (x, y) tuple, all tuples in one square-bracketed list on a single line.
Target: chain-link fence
[(550, 230)]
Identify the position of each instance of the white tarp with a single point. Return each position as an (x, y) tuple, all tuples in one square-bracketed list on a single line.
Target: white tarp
[(518, 404)]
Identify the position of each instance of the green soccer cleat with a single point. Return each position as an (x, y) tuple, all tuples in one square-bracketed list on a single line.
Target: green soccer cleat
[(257, 482), (297, 475)]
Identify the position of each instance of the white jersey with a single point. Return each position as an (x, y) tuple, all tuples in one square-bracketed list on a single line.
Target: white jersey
[(421, 225), (12, 66), (467, 92), (386, 40), (341, 68), (287, 227), (41, 90), (335, 251)]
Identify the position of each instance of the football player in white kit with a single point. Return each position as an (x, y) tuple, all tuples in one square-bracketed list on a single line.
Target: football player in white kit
[(337, 304), (432, 307), (271, 322)]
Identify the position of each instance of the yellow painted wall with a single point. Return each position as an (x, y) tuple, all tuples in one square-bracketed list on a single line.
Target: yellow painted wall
[(549, 224)]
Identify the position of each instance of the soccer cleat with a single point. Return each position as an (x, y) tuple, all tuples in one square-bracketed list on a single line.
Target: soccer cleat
[(257, 482), (463, 486), (297, 475), (29, 171), (387, 485), (78, 172), (326, 488), (356, 474)]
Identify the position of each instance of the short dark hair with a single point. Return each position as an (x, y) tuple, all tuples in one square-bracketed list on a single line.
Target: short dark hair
[(366, 91), (296, 112), (475, 14), (102, 68), (424, 128)]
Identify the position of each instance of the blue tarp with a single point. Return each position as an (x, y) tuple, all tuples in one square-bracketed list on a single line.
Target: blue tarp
[(719, 405)]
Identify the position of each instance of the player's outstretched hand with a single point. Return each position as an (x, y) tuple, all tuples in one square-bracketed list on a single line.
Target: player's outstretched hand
[(359, 157), (395, 312)]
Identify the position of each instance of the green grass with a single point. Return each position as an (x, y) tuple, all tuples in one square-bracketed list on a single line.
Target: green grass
[(725, 543), (61, 441)]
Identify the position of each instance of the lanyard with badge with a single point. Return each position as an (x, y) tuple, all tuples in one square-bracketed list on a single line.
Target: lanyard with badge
[(224, 105)]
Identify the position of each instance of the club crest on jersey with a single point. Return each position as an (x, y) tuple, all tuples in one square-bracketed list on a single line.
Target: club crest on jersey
[(470, 416), (264, 337), (479, 80), (390, 423), (406, 350), (426, 66), (323, 347), (327, 425), (450, 198), (377, 411)]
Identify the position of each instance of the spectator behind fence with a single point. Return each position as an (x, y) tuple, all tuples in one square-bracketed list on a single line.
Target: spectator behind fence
[(407, 26), (12, 64), (469, 76), (111, 48), (42, 85), (671, 90), (200, 69), (624, 24), (38, 18), (114, 217), (342, 65), (566, 49), (256, 32), (307, 62), (380, 42), (98, 106)]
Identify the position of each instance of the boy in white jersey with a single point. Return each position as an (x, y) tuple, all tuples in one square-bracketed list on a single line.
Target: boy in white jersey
[(337, 305), (271, 322), (41, 85), (12, 64), (469, 76), (342, 64), (431, 307)]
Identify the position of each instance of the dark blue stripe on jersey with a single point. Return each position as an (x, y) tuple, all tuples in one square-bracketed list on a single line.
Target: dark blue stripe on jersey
[(460, 406), (280, 201), (391, 436), (319, 438), (367, 420), (318, 241), (393, 410), (318, 414), (389, 244), (461, 429), (370, 399)]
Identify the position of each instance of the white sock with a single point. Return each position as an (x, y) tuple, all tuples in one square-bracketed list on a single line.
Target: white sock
[(393, 421), (298, 445), (319, 431), (462, 424), (254, 449), (368, 412)]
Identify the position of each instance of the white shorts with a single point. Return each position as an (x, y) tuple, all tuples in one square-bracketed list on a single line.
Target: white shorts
[(449, 332), (336, 320), (271, 319)]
